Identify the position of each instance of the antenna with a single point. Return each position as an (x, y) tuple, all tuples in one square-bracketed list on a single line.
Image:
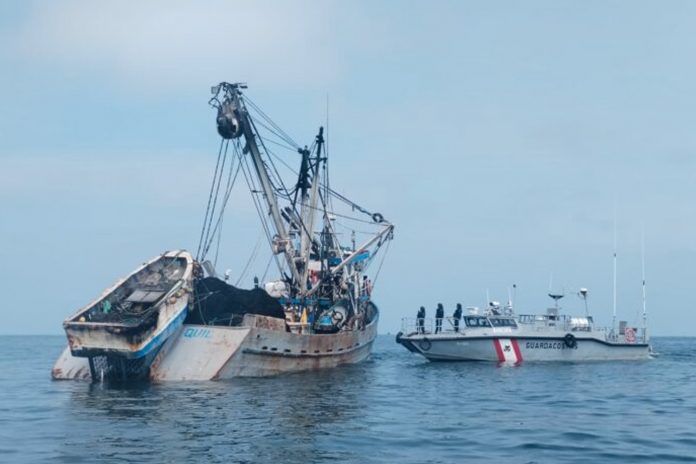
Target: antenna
[(613, 318), (326, 142), (509, 308), (645, 310), (583, 294)]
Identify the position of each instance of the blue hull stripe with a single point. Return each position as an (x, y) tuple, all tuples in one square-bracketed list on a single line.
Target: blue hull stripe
[(161, 337)]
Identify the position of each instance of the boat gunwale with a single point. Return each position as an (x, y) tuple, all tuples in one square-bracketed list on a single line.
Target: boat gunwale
[(70, 321)]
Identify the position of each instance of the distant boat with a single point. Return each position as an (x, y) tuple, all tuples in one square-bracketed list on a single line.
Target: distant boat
[(498, 335), (316, 312)]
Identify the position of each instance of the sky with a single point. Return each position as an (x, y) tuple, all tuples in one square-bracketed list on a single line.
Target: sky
[(505, 140)]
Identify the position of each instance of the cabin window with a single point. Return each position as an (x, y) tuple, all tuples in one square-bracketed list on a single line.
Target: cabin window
[(503, 322), (473, 321)]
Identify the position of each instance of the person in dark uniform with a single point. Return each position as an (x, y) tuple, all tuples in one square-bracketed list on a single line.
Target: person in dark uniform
[(420, 320), (439, 314), (457, 315)]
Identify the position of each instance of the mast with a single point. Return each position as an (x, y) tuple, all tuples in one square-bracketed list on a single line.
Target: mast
[(583, 295), (309, 207)]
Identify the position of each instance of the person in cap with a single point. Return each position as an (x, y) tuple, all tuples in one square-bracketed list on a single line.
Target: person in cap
[(420, 320), (457, 315), (439, 314)]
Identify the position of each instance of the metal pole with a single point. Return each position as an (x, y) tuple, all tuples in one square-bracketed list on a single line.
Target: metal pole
[(645, 310), (613, 319), (268, 194)]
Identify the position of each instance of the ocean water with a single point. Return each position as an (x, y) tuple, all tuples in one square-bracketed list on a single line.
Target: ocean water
[(395, 407)]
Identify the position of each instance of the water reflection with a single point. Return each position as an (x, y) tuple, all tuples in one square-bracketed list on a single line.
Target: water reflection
[(252, 419)]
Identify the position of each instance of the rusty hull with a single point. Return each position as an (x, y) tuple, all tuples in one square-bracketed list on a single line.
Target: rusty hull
[(260, 347), (270, 352)]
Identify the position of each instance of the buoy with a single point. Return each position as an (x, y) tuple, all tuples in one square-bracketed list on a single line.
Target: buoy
[(570, 341)]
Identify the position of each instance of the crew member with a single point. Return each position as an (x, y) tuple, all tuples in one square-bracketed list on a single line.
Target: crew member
[(457, 315), (439, 314), (420, 320), (367, 286)]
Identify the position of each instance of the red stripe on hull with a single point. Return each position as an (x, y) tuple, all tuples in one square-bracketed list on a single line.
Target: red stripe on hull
[(516, 347), (499, 350)]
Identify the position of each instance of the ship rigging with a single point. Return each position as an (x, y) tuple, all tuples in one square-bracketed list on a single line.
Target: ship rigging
[(299, 219), (174, 319)]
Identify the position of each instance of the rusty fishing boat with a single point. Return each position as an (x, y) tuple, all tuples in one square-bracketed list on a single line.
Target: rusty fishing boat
[(188, 322)]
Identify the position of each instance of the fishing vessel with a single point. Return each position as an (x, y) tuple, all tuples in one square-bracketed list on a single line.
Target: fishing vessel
[(499, 335), (315, 312)]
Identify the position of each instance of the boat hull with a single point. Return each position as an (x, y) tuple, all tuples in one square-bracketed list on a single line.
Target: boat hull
[(119, 339), (509, 349), (259, 347), (89, 341)]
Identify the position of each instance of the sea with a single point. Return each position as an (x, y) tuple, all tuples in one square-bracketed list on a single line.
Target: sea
[(393, 408)]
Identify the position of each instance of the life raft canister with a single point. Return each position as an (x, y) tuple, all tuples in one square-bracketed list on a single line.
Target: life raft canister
[(570, 341)]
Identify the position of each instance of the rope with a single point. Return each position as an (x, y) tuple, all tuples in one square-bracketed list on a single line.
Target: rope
[(287, 147), (246, 170), (215, 198), (325, 185), (379, 269), (231, 180), (270, 260), (210, 197), (252, 258), (217, 245), (282, 189), (286, 137)]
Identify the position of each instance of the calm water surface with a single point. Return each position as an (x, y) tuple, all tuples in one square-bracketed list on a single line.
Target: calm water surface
[(395, 407)]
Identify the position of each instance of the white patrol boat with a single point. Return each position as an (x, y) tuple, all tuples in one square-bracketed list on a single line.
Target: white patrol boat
[(501, 336)]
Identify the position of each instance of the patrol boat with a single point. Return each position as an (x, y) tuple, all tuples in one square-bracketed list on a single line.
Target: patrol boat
[(316, 312), (499, 335)]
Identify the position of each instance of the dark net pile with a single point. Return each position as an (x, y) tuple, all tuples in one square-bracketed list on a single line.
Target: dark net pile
[(217, 303)]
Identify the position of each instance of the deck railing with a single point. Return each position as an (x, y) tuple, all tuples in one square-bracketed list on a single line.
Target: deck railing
[(410, 325)]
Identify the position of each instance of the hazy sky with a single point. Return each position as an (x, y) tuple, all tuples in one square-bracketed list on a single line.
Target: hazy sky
[(497, 136)]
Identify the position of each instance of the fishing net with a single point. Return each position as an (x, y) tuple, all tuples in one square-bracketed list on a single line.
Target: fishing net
[(218, 303)]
